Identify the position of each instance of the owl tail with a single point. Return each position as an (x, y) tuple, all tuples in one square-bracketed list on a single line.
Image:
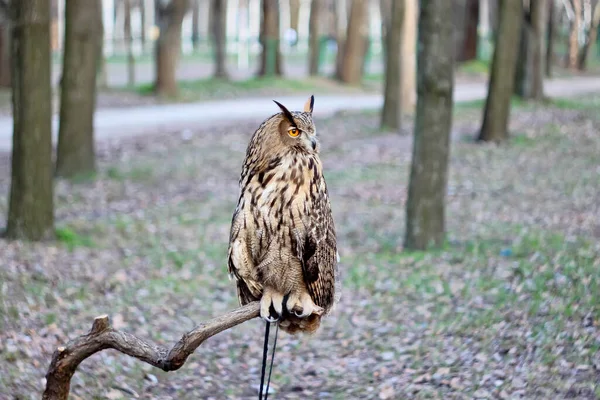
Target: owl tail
[(264, 361)]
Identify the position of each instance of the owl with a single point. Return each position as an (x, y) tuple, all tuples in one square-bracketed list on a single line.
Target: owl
[(282, 245)]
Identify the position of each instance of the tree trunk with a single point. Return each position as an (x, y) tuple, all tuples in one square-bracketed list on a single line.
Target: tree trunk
[(5, 59), (31, 204), (466, 34), (196, 24), (550, 39), (391, 115), (129, 44), (75, 152), (314, 40), (573, 36), (501, 83), (590, 38), (168, 45), (355, 48), (101, 73), (409, 55), (270, 57), (529, 77), (341, 25), (219, 34), (425, 225)]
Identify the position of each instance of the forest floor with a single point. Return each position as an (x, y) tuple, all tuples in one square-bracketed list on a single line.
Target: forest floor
[(509, 308)]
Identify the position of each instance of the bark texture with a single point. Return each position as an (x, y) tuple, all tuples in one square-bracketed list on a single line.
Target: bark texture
[(168, 45), (31, 204), (102, 336), (425, 208), (314, 37), (219, 33), (355, 46), (75, 153), (501, 83), (270, 57), (529, 77), (391, 114)]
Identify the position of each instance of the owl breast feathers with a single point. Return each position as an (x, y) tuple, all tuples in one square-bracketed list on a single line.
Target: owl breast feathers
[(282, 246)]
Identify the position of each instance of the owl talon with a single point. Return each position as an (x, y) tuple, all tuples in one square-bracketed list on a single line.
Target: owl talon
[(271, 306)]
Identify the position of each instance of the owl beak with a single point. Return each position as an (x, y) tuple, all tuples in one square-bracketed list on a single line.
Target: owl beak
[(313, 141)]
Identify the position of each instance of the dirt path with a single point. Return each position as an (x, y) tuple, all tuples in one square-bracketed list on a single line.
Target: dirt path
[(133, 121)]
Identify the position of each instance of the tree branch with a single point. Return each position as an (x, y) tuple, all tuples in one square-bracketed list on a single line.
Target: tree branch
[(66, 359)]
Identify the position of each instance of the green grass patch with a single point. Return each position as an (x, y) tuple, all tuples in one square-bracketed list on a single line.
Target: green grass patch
[(72, 239), (207, 89), (138, 173), (583, 103), (474, 67)]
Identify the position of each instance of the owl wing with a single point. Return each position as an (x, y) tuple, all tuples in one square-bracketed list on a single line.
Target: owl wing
[(319, 254), (239, 261)]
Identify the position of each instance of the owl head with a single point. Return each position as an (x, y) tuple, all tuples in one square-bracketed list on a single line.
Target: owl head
[(297, 129)]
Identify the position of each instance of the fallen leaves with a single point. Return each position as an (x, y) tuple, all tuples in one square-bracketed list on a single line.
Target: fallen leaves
[(507, 310)]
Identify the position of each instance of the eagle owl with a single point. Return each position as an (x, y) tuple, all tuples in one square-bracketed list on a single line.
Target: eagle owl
[(282, 246)]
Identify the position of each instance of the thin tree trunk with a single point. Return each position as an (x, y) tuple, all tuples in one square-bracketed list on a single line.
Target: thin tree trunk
[(31, 204), (129, 44), (5, 59), (459, 22), (101, 73), (196, 24), (168, 46), (409, 55), (356, 44), (314, 40), (75, 152), (550, 39), (143, 16), (270, 59), (341, 25), (425, 214), (501, 83), (391, 115), (573, 37), (590, 39), (219, 33), (529, 77), (466, 30)]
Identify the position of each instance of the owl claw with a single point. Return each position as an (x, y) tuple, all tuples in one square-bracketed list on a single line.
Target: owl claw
[(302, 305), (271, 306)]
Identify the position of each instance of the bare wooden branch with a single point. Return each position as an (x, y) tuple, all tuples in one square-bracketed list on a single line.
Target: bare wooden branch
[(66, 359)]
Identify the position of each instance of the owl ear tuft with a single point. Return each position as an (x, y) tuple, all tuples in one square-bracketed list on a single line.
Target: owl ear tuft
[(286, 113), (310, 103)]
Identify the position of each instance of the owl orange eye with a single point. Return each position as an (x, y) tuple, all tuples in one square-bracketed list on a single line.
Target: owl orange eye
[(293, 132)]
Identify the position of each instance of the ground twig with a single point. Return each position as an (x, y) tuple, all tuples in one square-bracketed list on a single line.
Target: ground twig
[(66, 359)]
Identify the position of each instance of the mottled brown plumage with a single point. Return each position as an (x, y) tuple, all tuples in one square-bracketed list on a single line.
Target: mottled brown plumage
[(282, 248)]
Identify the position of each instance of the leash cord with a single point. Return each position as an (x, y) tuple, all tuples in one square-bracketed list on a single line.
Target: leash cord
[(272, 358), (264, 362)]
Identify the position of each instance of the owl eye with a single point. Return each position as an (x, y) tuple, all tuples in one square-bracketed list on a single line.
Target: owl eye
[(293, 132)]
